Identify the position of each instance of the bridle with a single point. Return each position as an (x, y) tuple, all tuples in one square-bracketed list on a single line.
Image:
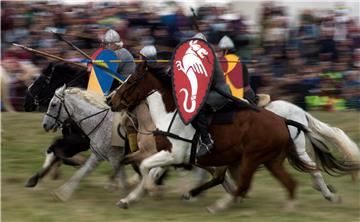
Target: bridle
[(48, 78), (36, 99), (58, 122), (131, 87), (62, 103)]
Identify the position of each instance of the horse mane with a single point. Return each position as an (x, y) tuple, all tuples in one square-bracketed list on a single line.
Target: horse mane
[(89, 96), (161, 72), (61, 67)]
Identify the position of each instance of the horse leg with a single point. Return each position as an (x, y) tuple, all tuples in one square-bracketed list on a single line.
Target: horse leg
[(162, 158), (155, 180), (278, 171), (66, 190), (118, 178), (55, 171), (201, 176), (134, 180), (243, 173), (229, 198), (319, 183), (75, 161), (50, 161), (218, 178)]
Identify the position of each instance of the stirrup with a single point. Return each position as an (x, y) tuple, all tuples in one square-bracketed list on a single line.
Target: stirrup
[(204, 149)]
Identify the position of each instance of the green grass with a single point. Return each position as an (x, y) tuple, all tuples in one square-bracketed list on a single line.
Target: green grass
[(24, 142)]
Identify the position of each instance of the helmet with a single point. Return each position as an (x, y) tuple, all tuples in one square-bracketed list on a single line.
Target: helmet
[(111, 36), (199, 35), (226, 43), (149, 52)]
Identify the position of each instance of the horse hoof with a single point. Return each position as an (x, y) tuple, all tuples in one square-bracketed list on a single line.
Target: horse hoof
[(290, 206), (187, 197), (335, 199), (122, 205), (31, 182), (338, 200), (211, 210), (60, 196)]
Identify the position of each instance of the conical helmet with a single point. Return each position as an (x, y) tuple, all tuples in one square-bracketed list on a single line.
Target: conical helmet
[(111, 36), (149, 52), (226, 43), (199, 35)]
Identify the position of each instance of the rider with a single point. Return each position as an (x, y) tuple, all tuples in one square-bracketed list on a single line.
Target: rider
[(148, 52), (227, 46), (113, 41), (214, 102)]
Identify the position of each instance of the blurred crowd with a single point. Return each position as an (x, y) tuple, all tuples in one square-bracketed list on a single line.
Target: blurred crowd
[(313, 62)]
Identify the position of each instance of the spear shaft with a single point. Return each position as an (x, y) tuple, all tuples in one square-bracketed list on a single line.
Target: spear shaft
[(58, 35), (47, 55)]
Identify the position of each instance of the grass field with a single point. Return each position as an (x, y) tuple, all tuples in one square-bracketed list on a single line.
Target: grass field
[(24, 142)]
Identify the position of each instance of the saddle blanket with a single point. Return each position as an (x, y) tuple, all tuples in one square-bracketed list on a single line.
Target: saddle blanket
[(116, 140)]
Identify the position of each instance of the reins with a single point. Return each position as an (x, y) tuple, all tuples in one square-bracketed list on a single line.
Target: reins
[(95, 114), (59, 122)]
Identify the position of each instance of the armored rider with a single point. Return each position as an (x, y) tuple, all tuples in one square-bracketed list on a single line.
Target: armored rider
[(214, 102), (227, 47), (113, 41)]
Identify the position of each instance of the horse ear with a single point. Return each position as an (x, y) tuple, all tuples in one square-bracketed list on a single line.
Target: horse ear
[(62, 90)]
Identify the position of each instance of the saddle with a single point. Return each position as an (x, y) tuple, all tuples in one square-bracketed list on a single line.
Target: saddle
[(226, 114)]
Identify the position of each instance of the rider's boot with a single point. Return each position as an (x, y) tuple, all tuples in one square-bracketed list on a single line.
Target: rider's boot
[(201, 124), (251, 96)]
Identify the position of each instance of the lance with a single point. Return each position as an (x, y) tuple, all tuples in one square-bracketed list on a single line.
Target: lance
[(160, 61), (47, 55), (99, 64), (59, 36), (194, 19), (83, 37)]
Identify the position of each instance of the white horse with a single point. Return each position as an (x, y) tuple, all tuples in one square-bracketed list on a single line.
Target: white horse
[(331, 135), (94, 117), (180, 152)]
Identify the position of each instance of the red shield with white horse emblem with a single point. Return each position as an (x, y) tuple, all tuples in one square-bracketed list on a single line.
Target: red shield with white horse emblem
[(192, 67)]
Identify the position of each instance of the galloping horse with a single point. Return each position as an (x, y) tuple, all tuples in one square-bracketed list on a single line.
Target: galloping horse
[(261, 137), (89, 111), (40, 93), (58, 73)]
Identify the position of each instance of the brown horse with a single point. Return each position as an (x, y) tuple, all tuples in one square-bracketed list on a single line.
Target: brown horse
[(254, 137)]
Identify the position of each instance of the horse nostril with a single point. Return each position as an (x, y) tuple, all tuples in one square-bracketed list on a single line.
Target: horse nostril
[(44, 125)]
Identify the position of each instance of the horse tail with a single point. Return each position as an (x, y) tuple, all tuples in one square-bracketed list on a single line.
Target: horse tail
[(293, 156), (322, 152), (335, 136)]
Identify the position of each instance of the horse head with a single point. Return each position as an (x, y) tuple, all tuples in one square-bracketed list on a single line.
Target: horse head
[(57, 111), (52, 77), (136, 88)]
